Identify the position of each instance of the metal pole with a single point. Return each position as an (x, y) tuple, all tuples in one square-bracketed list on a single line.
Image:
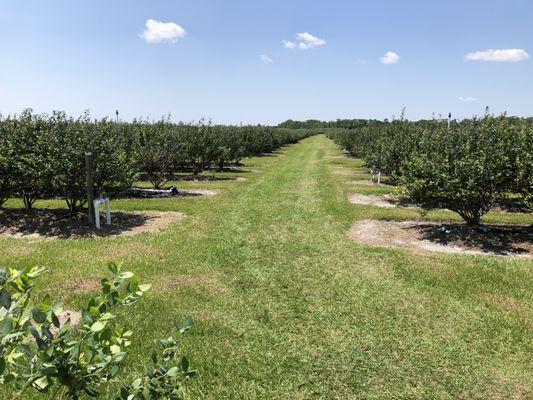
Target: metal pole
[(89, 180), (107, 211), (97, 214)]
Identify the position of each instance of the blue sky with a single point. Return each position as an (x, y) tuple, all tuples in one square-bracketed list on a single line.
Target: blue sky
[(77, 55)]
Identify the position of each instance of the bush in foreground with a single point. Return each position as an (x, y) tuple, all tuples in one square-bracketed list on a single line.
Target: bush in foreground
[(40, 352)]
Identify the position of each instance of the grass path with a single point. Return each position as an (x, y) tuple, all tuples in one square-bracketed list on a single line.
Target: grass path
[(287, 307)]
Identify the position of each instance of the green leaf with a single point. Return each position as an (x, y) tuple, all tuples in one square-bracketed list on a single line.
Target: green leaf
[(38, 316), (172, 372), (126, 275), (5, 299), (187, 322), (112, 268), (136, 383), (184, 364), (98, 326), (49, 370), (55, 321), (134, 283), (145, 287), (35, 272), (115, 349), (6, 324), (114, 370)]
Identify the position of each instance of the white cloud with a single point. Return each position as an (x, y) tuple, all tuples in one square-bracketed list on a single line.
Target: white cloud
[(467, 99), (504, 55), (310, 40), (157, 32), (390, 57), (305, 41), (289, 45), (266, 59)]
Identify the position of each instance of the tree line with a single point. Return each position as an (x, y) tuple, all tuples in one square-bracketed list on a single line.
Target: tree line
[(466, 166), (42, 156), (339, 123)]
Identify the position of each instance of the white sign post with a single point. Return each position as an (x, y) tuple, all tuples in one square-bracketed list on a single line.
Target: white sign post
[(97, 204)]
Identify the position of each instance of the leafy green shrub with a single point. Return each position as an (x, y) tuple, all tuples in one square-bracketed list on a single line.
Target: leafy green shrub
[(27, 155), (465, 169), (69, 140), (42, 156), (38, 351), (521, 152), (159, 149)]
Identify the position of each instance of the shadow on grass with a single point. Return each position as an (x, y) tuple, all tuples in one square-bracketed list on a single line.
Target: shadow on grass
[(61, 224), (498, 239), (512, 206), (166, 192), (207, 176)]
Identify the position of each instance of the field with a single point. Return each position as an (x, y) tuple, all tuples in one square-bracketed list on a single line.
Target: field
[(285, 305)]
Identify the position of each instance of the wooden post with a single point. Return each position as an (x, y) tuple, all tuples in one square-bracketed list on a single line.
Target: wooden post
[(89, 180)]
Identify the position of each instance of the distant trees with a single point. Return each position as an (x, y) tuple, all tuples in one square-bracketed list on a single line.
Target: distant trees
[(339, 123), (42, 156), (466, 168)]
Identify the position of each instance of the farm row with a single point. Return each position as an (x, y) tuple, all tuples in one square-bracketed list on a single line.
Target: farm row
[(42, 156), (465, 166), (260, 267)]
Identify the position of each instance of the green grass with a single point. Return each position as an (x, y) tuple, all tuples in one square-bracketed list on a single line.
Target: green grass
[(286, 306)]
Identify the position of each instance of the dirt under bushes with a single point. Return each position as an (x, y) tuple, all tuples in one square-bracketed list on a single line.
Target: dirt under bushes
[(366, 182), (382, 200), (447, 238), (54, 224)]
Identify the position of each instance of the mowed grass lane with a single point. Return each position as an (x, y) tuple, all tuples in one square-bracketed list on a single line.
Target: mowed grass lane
[(287, 306)]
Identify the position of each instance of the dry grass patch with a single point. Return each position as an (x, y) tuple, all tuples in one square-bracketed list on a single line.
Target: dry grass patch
[(205, 283), (75, 286), (508, 305), (343, 172)]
